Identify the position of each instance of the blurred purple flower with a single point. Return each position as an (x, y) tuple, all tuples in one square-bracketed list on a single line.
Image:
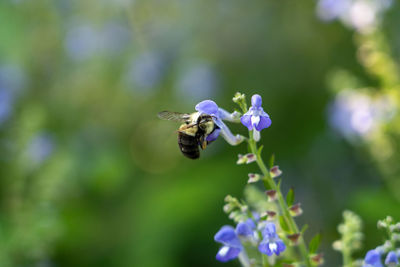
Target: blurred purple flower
[(331, 9), (271, 242), (40, 148), (198, 82), (146, 72), (256, 119), (5, 105), (361, 15), (356, 114), (82, 41), (391, 259), (12, 81), (116, 37), (373, 259)]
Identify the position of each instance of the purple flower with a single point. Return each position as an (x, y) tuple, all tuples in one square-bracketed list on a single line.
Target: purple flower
[(245, 228), (211, 108), (391, 259), (373, 259), (231, 244), (256, 119), (271, 242)]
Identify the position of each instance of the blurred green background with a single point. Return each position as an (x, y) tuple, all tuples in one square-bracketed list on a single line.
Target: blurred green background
[(90, 177)]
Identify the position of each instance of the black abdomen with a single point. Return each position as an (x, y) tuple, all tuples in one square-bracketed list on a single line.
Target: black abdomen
[(188, 145)]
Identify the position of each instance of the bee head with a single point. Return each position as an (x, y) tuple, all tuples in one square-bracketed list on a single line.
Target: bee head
[(206, 123)]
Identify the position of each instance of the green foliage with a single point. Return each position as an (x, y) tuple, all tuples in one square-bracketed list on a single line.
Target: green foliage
[(314, 244), (290, 197)]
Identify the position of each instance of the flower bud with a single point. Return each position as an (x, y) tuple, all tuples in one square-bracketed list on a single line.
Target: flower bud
[(337, 245), (275, 172), (271, 214), (382, 224), (294, 238), (317, 259), (295, 210), (228, 198), (241, 159), (248, 158), (271, 195), (244, 208), (238, 98), (227, 208), (253, 177)]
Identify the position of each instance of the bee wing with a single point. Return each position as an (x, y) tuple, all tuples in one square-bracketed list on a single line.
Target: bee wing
[(174, 116)]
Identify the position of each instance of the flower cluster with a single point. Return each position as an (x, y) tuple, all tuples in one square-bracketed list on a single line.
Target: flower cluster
[(373, 258), (255, 119), (248, 231), (258, 238), (351, 240)]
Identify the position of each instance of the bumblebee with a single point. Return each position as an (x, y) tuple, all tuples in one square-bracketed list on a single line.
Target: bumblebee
[(193, 133)]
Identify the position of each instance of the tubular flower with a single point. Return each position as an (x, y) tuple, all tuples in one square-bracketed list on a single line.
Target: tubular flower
[(231, 244), (373, 259), (256, 119), (271, 242), (209, 107), (391, 259)]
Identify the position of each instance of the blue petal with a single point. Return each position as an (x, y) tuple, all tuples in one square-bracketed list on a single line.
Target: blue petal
[(373, 258), (256, 101), (269, 230), (264, 248), (251, 223), (207, 107), (265, 122), (391, 258), (227, 236), (214, 135), (227, 253), (246, 121), (244, 229), (281, 247)]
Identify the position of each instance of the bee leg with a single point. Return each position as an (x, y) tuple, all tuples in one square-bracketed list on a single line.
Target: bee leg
[(203, 142)]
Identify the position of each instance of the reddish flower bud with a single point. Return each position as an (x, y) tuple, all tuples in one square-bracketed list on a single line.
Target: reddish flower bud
[(271, 195), (294, 238), (295, 210), (317, 259), (275, 172)]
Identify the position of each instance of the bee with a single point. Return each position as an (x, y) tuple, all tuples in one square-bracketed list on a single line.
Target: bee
[(193, 133)]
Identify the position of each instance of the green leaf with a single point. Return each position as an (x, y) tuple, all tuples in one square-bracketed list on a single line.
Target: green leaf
[(283, 224), (304, 228), (272, 161), (290, 197), (314, 243)]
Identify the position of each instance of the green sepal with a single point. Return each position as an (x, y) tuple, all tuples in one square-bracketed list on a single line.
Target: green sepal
[(290, 197), (259, 150), (314, 243)]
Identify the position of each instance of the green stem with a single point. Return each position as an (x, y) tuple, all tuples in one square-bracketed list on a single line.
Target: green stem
[(269, 183), (264, 260), (347, 261)]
